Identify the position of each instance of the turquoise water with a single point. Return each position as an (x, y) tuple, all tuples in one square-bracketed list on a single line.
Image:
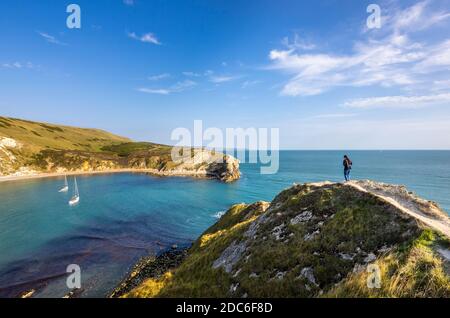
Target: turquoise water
[(122, 217)]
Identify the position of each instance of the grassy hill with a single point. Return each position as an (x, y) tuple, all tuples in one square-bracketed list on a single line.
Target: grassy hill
[(28, 147), (312, 240), (38, 136)]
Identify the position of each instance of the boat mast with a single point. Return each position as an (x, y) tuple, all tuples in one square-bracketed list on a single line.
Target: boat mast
[(76, 188)]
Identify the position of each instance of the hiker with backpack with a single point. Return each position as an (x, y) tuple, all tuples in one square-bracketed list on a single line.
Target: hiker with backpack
[(347, 167)]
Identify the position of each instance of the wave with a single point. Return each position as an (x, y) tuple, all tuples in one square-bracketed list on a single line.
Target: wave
[(219, 214)]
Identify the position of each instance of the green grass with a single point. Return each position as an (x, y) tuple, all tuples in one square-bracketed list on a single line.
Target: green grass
[(125, 149), (128, 148)]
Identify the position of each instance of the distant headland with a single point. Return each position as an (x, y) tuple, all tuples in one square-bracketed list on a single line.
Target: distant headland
[(32, 149)]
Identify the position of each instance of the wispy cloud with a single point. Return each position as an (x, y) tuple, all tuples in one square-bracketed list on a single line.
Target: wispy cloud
[(50, 38), (159, 77), (213, 77), (128, 2), (398, 101), (416, 17), (296, 43), (176, 88), (392, 60), (146, 38), (160, 91), (19, 65), (217, 79)]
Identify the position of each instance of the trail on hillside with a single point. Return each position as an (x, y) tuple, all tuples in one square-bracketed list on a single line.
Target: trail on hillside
[(425, 211)]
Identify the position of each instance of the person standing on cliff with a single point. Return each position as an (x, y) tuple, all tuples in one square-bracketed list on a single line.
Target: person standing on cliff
[(347, 167)]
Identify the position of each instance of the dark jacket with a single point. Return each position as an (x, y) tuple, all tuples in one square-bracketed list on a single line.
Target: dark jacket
[(347, 164)]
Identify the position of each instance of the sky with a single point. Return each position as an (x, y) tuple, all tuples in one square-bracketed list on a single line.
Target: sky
[(313, 69)]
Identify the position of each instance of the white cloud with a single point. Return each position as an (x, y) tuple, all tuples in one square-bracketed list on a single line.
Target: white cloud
[(146, 38), (160, 91), (176, 88), (50, 38), (416, 17), (217, 79), (398, 101), (297, 43), (392, 60), (19, 65), (436, 58), (410, 17), (159, 77), (128, 2)]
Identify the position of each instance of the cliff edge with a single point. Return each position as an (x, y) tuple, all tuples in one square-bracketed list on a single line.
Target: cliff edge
[(358, 239)]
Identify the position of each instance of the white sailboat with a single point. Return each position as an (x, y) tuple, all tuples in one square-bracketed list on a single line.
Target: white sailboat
[(66, 186), (76, 196)]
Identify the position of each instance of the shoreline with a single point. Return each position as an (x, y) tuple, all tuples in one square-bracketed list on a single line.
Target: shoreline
[(154, 172), (150, 266)]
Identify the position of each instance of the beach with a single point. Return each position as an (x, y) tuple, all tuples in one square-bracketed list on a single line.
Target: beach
[(155, 172)]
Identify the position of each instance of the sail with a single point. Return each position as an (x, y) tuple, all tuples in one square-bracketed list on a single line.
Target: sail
[(76, 189), (76, 196), (65, 188)]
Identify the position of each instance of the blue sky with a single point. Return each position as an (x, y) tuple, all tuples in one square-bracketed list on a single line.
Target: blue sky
[(310, 68)]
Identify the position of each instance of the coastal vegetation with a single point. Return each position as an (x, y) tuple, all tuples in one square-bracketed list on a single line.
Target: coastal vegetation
[(313, 240), (28, 148)]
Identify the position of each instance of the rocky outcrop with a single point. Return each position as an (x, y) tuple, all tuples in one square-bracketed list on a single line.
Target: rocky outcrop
[(226, 170), (360, 239), (150, 267), (205, 163), (8, 160)]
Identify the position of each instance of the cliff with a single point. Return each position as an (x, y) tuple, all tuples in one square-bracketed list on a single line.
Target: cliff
[(359, 239), (30, 148)]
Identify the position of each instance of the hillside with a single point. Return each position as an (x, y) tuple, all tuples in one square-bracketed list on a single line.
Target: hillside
[(315, 240), (43, 135), (33, 148)]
